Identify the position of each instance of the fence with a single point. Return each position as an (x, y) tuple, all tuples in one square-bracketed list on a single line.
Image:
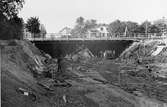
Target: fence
[(56, 36)]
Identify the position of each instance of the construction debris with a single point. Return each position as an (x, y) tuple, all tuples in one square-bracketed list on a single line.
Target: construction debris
[(82, 55), (27, 93), (158, 50), (64, 98), (144, 52), (150, 59), (50, 84), (23, 91)]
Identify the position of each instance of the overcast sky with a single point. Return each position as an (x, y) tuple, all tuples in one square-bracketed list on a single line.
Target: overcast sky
[(56, 14)]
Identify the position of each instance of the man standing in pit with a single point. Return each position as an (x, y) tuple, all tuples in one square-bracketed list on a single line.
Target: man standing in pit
[(59, 61)]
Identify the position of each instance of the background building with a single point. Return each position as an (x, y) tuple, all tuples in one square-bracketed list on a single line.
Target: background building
[(99, 31)]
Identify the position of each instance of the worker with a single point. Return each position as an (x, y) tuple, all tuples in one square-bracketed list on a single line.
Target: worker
[(105, 54), (59, 61)]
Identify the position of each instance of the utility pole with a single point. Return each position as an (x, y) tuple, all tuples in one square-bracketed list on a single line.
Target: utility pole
[(125, 33), (164, 26), (146, 30)]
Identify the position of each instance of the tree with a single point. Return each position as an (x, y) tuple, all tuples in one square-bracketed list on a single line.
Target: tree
[(10, 8), (10, 26), (146, 25), (33, 25), (17, 24), (140, 29), (154, 29), (89, 24), (117, 27), (161, 26), (80, 21), (5, 30), (132, 26), (78, 30), (82, 27), (143, 28)]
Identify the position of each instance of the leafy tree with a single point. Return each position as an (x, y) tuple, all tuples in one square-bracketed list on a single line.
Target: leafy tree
[(89, 24), (10, 23), (146, 25), (161, 26), (143, 28), (5, 30), (33, 25), (117, 27), (17, 24), (132, 26), (80, 21), (154, 29), (10, 8), (140, 29), (78, 30), (83, 26)]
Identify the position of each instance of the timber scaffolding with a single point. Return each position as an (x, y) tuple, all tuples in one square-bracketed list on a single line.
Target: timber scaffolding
[(56, 37)]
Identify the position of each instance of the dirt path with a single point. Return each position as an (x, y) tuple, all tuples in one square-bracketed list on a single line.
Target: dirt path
[(102, 93), (99, 79)]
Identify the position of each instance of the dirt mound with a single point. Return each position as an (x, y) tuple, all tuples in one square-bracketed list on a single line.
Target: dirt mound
[(24, 82), (144, 63), (145, 52), (81, 55), (21, 64)]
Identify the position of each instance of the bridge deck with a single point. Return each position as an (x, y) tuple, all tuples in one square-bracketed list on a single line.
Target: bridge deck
[(82, 39)]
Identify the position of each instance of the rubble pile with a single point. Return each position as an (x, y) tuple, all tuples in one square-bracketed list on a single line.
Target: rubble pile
[(18, 56), (150, 54), (144, 67), (82, 55), (145, 52), (22, 65)]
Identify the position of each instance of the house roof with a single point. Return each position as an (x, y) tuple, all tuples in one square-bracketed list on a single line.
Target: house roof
[(98, 29), (65, 30)]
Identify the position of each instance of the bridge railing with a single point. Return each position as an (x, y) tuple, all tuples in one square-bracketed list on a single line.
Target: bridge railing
[(55, 36)]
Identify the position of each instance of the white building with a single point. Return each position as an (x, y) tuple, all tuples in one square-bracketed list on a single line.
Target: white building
[(99, 31)]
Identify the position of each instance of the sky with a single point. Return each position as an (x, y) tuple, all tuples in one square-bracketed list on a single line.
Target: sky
[(57, 14)]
